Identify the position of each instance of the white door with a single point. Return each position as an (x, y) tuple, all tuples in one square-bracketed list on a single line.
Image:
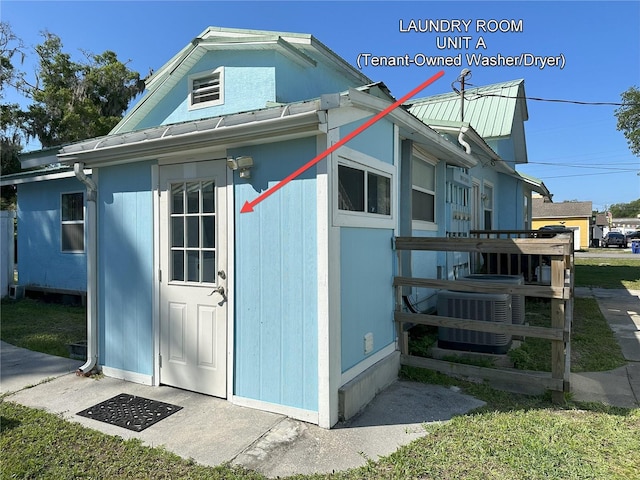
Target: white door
[(193, 263)]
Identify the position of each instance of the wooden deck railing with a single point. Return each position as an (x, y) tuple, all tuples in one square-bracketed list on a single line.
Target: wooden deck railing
[(558, 250)]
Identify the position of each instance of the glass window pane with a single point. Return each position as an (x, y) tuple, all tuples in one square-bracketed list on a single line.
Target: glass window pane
[(209, 267), (208, 198), (423, 206), (423, 175), (177, 198), (488, 202), (193, 266), (72, 237), (72, 207), (193, 197), (177, 265), (193, 232), (378, 194), (351, 189), (177, 232), (209, 232)]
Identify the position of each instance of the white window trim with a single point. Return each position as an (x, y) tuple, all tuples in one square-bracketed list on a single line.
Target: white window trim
[(422, 224), (74, 222), (198, 76), (354, 159)]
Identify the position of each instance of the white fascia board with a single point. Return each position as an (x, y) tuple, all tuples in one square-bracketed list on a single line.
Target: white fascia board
[(32, 160), (413, 129), (251, 133), (16, 180)]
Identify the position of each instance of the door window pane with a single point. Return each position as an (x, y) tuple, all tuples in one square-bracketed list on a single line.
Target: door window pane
[(209, 267), (193, 266), (208, 232), (177, 232), (177, 198), (193, 232), (193, 197), (177, 265), (208, 198)]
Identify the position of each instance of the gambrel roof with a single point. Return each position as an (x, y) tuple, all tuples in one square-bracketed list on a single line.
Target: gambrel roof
[(303, 49)]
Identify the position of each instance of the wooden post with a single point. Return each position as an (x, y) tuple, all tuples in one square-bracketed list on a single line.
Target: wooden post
[(557, 321), (401, 335)]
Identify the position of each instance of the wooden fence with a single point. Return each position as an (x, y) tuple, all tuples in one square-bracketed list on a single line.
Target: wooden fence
[(557, 250)]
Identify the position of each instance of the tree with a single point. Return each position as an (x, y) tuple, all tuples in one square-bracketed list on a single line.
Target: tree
[(72, 100), (11, 116), (628, 116), (625, 210)]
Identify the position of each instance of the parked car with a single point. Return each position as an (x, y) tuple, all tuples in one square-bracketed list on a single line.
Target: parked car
[(633, 235), (614, 238)]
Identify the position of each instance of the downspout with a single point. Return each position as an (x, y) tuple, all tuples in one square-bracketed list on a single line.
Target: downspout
[(463, 142), (92, 270)]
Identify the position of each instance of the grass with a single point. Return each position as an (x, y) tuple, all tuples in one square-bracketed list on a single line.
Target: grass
[(616, 272), (42, 327), (512, 437), (593, 345)]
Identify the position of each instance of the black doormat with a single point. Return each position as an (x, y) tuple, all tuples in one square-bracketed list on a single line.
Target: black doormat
[(129, 411)]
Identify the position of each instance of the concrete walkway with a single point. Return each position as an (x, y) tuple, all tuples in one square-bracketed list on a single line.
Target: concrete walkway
[(619, 387), (213, 431)]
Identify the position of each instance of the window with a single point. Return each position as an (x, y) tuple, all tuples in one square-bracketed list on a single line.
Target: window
[(423, 195), (357, 195), (193, 232), (487, 199), (72, 222), (206, 89), (363, 187)]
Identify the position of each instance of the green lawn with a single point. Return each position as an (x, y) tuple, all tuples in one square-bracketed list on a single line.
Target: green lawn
[(42, 327), (623, 272)]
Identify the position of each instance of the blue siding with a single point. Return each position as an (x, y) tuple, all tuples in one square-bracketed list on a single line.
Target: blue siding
[(125, 264), (366, 291), (276, 328), (509, 197), (251, 80), (40, 258), (376, 141)]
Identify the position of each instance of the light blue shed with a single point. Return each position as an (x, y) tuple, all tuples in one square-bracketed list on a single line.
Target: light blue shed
[(288, 308)]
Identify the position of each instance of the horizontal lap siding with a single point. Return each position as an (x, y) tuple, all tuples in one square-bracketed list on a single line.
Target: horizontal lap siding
[(125, 256), (276, 327)]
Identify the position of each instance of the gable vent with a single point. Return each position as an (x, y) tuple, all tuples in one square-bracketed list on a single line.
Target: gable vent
[(206, 89)]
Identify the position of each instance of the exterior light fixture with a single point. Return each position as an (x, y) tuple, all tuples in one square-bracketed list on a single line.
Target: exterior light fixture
[(244, 164)]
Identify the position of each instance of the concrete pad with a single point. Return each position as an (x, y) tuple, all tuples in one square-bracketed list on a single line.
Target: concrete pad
[(394, 418), (21, 368), (213, 431), (209, 430)]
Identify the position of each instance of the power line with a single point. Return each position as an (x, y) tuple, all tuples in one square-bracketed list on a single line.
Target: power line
[(555, 100), (587, 174)]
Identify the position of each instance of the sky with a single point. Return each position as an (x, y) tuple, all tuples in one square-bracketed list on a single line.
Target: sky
[(591, 52)]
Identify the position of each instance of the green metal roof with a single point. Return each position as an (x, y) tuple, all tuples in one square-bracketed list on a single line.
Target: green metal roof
[(491, 109)]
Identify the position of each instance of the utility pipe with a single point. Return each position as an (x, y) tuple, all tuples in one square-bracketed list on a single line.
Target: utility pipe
[(92, 270)]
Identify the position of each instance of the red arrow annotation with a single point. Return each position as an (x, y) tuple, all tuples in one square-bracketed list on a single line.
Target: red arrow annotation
[(248, 206)]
